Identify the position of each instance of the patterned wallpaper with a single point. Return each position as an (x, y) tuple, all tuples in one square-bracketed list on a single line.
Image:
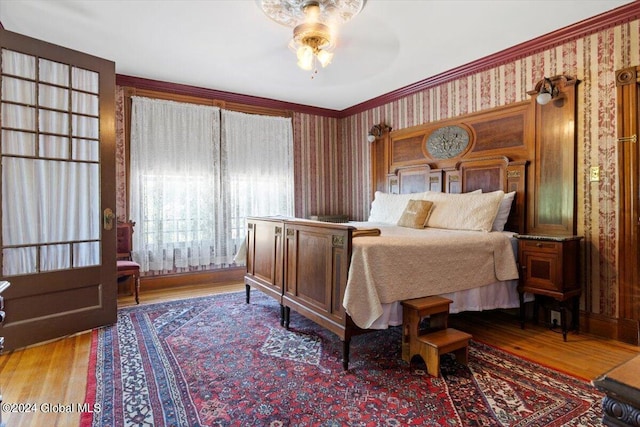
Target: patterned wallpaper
[(318, 165), (332, 155), (121, 160)]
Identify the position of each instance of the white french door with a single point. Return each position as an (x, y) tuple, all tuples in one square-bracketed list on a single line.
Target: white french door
[(57, 150)]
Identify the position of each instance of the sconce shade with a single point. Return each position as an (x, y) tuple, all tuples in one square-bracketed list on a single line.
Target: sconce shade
[(547, 92), (543, 98)]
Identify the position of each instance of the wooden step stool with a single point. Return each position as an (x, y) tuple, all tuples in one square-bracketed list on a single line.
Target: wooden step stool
[(438, 339), (431, 346)]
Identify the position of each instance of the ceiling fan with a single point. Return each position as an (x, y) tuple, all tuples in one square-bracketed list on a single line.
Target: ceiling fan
[(314, 25)]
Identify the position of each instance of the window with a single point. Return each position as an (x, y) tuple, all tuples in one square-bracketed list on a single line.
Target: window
[(196, 174)]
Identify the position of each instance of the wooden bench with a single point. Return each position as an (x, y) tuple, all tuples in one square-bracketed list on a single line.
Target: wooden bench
[(432, 342)]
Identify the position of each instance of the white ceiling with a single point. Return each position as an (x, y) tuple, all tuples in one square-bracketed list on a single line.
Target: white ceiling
[(230, 45)]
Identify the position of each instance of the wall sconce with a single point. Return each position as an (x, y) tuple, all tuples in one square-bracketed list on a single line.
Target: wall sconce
[(547, 92), (376, 131)]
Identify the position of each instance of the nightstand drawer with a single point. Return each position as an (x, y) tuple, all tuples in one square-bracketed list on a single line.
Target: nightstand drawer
[(540, 246)]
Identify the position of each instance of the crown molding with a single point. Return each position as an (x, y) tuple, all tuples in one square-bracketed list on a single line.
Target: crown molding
[(200, 92)]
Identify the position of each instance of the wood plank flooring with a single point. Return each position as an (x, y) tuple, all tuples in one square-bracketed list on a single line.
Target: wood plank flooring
[(55, 373), (583, 355)]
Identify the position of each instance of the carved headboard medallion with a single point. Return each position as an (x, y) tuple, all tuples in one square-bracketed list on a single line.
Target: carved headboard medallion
[(447, 142)]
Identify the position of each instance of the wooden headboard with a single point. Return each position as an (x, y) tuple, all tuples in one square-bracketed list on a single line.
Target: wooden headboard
[(486, 174), (491, 150), (524, 147)]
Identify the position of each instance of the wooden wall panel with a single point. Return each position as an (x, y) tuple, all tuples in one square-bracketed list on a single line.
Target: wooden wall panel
[(628, 91), (500, 133), (553, 203), (406, 151)]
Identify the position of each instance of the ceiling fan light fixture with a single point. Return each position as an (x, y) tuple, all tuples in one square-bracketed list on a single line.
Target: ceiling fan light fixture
[(304, 52), (311, 10), (324, 57), (305, 58), (313, 39)]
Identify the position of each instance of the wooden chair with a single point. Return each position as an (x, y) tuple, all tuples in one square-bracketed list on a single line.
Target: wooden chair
[(125, 266)]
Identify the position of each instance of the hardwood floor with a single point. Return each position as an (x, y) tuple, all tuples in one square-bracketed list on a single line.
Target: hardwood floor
[(583, 355), (55, 373)]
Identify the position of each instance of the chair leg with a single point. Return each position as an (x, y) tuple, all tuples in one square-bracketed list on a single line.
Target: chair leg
[(137, 288)]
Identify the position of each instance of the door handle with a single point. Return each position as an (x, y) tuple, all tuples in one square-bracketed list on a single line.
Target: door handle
[(107, 221)]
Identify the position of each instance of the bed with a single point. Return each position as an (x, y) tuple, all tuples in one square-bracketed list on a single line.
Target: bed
[(403, 264), (350, 278)]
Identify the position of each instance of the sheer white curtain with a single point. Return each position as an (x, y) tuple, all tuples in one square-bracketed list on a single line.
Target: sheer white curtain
[(257, 170), (50, 165), (174, 184)]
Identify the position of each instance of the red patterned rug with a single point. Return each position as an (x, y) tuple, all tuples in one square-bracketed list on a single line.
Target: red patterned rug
[(217, 361)]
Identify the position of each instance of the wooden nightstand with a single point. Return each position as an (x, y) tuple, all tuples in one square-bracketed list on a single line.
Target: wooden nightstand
[(549, 268)]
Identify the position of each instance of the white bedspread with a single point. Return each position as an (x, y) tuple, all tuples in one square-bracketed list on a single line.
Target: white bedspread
[(404, 263)]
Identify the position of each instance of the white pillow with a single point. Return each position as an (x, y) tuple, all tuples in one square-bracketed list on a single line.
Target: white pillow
[(388, 208), (466, 211), (503, 212)]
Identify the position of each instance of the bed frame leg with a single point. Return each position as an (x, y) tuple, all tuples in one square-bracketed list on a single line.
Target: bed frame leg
[(345, 353), (282, 310), (248, 292), (286, 315)]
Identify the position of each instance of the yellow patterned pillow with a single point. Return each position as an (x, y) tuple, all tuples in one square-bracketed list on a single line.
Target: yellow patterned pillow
[(416, 214)]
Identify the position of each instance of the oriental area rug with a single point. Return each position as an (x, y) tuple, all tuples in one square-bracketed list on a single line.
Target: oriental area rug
[(217, 361)]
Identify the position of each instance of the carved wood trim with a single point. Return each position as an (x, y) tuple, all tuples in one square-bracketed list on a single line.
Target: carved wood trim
[(500, 155), (435, 180), (628, 92), (484, 174), (414, 179), (506, 130), (452, 181)]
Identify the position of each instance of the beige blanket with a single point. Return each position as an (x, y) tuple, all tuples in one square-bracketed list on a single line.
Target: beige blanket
[(404, 263)]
